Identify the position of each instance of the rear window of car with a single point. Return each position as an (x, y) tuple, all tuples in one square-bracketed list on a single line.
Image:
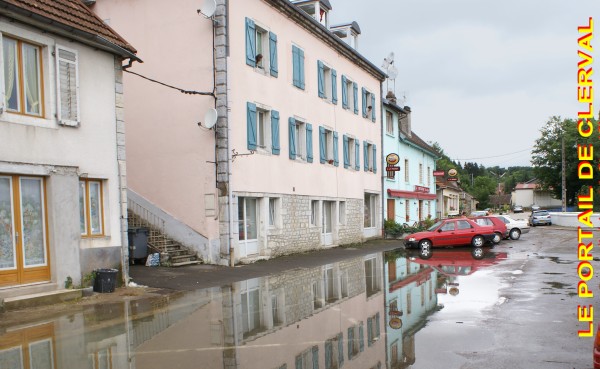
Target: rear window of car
[(463, 224), (541, 212), (483, 221)]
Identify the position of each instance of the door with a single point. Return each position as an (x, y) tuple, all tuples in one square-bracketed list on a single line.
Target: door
[(327, 226), (248, 226), (420, 210), (23, 235), (391, 209), (447, 236)]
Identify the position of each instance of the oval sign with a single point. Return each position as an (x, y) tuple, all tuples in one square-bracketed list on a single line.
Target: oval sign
[(452, 172), (392, 159), (395, 323)]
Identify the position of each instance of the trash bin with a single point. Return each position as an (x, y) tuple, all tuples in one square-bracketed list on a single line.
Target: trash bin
[(105, 280), (138, 243)]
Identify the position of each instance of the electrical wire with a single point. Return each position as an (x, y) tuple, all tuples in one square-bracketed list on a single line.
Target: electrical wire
[(187, 92), (496, 156)]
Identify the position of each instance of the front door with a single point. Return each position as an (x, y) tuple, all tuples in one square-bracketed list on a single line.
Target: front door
[(327, 218), (248, 226), (391, 209), (23, 237)]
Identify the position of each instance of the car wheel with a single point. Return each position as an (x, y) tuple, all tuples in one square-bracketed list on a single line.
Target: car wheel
[(515, 234), (497, 238), (550, 223), (425, 249), (477, 241), (477, 253)]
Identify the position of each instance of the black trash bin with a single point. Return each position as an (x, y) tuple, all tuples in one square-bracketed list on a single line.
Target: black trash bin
[(138, 243), (106, 280)]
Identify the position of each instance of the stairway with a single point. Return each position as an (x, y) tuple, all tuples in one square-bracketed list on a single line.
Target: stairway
[(172, 253)]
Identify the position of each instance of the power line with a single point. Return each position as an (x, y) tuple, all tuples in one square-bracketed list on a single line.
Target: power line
[(187, 92), (496, 156)]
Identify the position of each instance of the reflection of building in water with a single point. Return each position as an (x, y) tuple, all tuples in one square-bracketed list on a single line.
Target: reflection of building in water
[(410, 298), (330, 316)]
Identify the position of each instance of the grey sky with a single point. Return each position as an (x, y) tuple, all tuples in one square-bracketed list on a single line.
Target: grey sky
[(481, 77)]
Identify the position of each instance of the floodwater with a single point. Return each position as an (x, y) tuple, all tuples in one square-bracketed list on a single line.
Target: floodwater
[(386, 310)]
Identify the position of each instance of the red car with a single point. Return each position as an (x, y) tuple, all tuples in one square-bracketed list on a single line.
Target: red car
[(451, 232), (499, 227)]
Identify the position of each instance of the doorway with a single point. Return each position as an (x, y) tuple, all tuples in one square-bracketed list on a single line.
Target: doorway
[(248, 226)]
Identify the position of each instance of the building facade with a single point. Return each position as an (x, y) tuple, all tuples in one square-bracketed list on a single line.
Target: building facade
[(62, 157), (410, 191), (291, 165)]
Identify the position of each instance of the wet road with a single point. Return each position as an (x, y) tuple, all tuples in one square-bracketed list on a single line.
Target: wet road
[(513, 308)]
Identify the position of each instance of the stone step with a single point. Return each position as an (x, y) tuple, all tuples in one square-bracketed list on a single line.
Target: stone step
[(184, 263), (40, 299)]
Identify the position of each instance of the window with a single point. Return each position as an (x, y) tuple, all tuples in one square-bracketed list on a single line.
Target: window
[(342, 212), (448, 227), (300, 136), (314, 212), (389, 123), (247, 218), (22, 77), (327, 221), (370, 210), (428, 176), (330, 282), (407, 209), (368, 104), (327, 82), (349, 94), (351, 153), (334, 352), (262, 129), (251, 307), (344, 283), (370, 157), (371, 277), (420, 173), (277, 309), (356, 343), (406, 176), (273, 211), (328, 146), (91, 212), (68, 86), (373, 329), (261, 48), (298, 67), (318, 300), (463, 224), (408, 302), (308, 359)]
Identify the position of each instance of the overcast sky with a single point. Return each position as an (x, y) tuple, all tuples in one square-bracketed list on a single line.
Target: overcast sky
[(481, 77)]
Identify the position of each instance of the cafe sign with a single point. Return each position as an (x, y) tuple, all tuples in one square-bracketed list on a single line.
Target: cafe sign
[(421, 189), (391, 168)]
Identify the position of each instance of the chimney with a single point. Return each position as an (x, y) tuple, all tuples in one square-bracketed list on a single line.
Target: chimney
[(391, 97), (405, 126)]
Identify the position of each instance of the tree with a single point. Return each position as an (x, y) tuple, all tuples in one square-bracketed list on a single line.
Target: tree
[(483, 187), (547, 157)]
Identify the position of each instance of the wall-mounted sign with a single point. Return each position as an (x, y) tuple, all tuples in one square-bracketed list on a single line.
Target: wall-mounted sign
[(395, 323), (452, 179), (439, 173), (452, 172), (421, 189), (391, 160)]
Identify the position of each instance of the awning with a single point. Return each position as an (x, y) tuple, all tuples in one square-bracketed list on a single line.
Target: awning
[(411, 195)]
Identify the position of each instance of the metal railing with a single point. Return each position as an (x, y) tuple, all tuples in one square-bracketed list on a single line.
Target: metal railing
[(144, 215)]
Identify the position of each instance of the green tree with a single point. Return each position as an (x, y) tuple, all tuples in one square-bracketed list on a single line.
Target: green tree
[(483, 187)]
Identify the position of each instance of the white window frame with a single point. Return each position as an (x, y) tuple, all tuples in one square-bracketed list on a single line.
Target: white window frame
[(389, 123), (328, 144), (342, 212), (262, 32), (314, 213), (350, 93), (301, 140), (352, 152), (65, 120), (273, 211), (372, 203), (265, 129), (368, 95), (370, 157), (325, 218), (327, 84)]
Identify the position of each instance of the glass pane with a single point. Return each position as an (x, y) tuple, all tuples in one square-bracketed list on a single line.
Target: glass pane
[(103, 358), (242, 227), (271, 211), (41, 355), (82, 209), (7, 244), (11, 85), (251, 219), (11, 358), (326, 217), (254, 305), (95, 207), (32, 222), (31, 75), (367, 222)]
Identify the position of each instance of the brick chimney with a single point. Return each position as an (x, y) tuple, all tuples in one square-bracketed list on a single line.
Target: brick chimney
[(405, 126)]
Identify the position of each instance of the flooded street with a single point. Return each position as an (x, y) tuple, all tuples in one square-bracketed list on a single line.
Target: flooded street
[(512, 307)]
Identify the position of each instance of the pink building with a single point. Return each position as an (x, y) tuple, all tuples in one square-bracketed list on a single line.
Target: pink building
[(291, 164)]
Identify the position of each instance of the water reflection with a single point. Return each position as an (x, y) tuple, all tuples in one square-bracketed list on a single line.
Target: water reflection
[(356, 313)]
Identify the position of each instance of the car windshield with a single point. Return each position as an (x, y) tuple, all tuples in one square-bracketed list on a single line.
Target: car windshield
[(541, 212), (433, 227)]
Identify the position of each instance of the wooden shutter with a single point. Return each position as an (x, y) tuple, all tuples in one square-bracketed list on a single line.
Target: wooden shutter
[(301, 63), (275, 147), (336, 160), (346, 151), (250, 42), (355, 92), (369, 330), (361, 338), (315, 357), (309, 143), (350, 342), (321, 78), (251, 125), (373, 118), (366, 156), (322, 139), (357, 155), (364, 102), (292, 137), (328, 354), (274, 68), (340, 340), (334, 98), (344, 92), (67, 84)]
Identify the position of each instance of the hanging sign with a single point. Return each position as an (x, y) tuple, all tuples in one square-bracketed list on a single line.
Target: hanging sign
[(391, 168), (439, 173)]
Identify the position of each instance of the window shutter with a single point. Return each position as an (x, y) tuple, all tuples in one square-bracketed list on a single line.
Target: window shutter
[(309, 143), (333, 86), (292, 137), (299, 362), (328, 354), (355, 92), (344, 92), (315, 357), (322, 138), (250, 42), (369, 329), (366, 156), (301, 63), (251, 124), (321, 78), (375, 158), (67, 84), (296, 66), (273, 53), (350, 342), (340, 339), (357, 155), (336, 160), (377, 332), (275, 147), (361, 337), (346, 152), (373, 118), (364, 102)]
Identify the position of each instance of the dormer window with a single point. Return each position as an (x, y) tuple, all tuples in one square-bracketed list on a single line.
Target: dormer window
[(319, 10), (348, 33)]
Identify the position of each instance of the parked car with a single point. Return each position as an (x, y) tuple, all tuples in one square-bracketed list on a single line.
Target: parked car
[(535, 207), (540, 217), (517, 209), (450, 232), (479, 213), (497, 224), (515, 227)]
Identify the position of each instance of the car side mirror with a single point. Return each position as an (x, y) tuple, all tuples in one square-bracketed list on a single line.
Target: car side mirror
[(440, 230)]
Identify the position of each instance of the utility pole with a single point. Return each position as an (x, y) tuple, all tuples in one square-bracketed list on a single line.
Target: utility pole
[(564, 178)]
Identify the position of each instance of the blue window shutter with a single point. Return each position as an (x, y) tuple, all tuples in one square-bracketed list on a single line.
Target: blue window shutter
[(350, 342), (315, 357), (377, 332), (355, 92), (366, 156), (328, 354), (346, 152), (357, 155), (292, 136), (336, 160), (361, 338), (296, 66), (322, 138), (309, 143), (344, 92), (340, 339), (273, 52), (275, 147), (364, 102), (369, 328), (299, 362), (251, 125), (321, 78), (301, 63), (333, 86), (373, 118), (250, 43), (375, 158)]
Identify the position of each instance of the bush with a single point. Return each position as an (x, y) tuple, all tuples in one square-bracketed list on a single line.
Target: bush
[(392, 228)]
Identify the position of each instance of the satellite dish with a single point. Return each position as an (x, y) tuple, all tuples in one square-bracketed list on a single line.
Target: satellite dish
[(392, 72), (210, 118), (388, 61), (208, 8)]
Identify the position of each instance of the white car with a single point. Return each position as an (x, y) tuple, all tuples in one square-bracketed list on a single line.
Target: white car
[(515, 227)]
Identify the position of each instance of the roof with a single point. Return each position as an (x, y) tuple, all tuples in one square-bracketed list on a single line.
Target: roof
[(70, 18), (325, 3), (526, 186), (354, 25), (422, 144)]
